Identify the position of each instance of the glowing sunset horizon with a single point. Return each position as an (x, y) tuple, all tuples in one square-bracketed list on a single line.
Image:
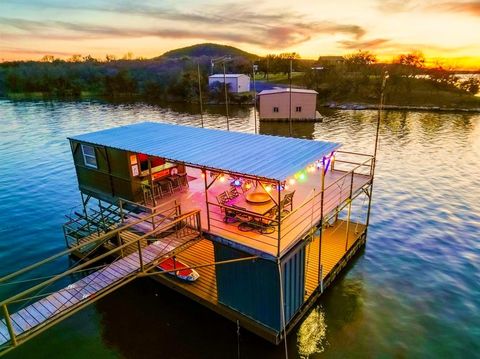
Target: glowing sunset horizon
[(446, 32)]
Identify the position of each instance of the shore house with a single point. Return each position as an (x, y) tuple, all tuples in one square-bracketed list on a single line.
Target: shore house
[(267, 222), (277, 103), (237, 82)]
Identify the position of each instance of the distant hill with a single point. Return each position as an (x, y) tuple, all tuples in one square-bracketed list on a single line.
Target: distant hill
[(207, 50)]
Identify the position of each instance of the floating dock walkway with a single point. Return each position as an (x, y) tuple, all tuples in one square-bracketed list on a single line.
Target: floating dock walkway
[(162, 242)]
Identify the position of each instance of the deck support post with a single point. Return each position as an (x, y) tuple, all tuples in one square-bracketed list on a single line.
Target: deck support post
[(8, 322), (279, 215), (282, 305), (150, 180), (322, 196), (369, 204), (140, 256), (206, 198), (321, 279), (120, 207), (101, 212), (348, 223), (84, 204)]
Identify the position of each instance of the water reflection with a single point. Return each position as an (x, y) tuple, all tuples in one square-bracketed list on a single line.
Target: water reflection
[(299, 129), (311, 334), (425, 220)]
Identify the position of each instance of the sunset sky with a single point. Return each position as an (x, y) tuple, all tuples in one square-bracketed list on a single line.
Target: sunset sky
[(448, 31)]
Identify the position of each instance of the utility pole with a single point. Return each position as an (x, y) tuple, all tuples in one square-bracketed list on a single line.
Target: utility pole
[(200, 93), (226, 94), (290, 102), (223, 59), (379, 115), (254, 98)]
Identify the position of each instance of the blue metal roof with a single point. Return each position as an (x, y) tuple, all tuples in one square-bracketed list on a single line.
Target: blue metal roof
[(270, 157)]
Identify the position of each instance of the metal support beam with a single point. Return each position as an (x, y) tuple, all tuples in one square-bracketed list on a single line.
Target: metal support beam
[(322, 196), (150, 180), (348, 223), (206, 198), (156, 273), (8, 322), (279, 216)]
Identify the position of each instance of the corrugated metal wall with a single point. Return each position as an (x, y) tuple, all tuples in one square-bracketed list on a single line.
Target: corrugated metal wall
[(294, 282), (250, 287)]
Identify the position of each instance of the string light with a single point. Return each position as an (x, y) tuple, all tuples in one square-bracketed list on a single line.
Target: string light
[(291, 181), (222, 178), (268, 188), (248, 185)]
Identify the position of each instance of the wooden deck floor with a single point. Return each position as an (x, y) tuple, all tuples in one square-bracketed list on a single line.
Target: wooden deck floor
[(334, 247), (204, 290), (76, 294), (293, 228)]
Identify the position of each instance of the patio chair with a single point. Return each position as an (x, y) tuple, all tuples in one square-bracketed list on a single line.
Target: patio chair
[(288, 201), (183, 179), (261, 225), (164, 187), (233, 192), (147, 193)]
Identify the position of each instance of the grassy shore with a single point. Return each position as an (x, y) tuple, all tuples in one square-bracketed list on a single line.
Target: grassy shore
[(410, 93)]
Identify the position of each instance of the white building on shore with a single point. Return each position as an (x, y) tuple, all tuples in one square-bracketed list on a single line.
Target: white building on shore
[(237, 82)]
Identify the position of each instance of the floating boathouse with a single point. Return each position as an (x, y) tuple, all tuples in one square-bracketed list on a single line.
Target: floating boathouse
[(267, 222)]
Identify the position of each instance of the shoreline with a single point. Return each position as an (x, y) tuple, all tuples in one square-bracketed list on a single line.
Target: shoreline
[(327, 105), (357, 106)]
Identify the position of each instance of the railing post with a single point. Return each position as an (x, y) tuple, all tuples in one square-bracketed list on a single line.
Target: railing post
[(348, 222), (65, 236), (321, 278), (279, 215), (8, 322), (140, 258), (101, 214), (351, 184), (206, 199), (322, 196), (120, 206), (199, 222)]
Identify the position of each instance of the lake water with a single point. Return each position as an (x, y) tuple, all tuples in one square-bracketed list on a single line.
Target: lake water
[(414, 292)]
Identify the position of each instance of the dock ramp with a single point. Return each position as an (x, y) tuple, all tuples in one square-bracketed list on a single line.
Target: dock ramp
[(135, 254)]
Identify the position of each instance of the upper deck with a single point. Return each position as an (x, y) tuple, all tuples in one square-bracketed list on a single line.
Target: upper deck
[(216, 172)]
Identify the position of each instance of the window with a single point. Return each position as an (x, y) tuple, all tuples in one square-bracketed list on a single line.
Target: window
[(298, 109), (275, 109), (89, 157)]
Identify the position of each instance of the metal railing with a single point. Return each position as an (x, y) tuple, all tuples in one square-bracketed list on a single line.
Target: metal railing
[(188, 224), (162, 213), (347, 174), (218, 225), (308, 214)]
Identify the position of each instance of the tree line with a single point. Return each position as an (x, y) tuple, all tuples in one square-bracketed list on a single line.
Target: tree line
[(358, 77), (355, 76)]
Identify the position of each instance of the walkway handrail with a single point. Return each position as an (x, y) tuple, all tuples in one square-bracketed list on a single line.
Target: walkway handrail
[(349, 172), (105, 236), (17, 296), (147, 208)]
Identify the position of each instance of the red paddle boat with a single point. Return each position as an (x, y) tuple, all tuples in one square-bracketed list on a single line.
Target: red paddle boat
[(178, 269)]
